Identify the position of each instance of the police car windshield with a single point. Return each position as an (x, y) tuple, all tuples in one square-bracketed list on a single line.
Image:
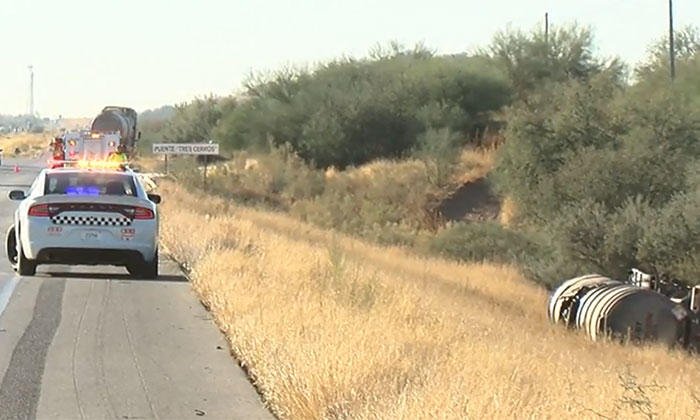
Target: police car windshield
[(90, 184)]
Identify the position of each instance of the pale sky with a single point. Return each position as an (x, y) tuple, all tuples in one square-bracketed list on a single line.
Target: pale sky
[(148, 53)]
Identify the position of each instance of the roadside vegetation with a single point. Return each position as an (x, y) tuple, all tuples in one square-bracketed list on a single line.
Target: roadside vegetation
[(33, 135), (331, 327), (581, 156), (24, 144), (427, 198)]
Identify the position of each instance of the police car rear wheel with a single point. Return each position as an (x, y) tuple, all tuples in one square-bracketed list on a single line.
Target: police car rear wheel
[(148, 270), (133, 269), (25, 266), (11, 247)]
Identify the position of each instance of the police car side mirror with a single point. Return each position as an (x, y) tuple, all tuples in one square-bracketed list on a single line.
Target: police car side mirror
[(154, 197), (17, 195)]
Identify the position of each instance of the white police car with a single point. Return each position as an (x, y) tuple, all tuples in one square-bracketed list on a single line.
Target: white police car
[(85, 216)]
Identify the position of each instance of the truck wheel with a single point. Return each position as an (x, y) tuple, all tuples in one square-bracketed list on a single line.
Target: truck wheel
[(11, 247), (25, 266)]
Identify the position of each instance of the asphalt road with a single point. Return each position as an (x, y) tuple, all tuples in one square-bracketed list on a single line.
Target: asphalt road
[(91, 343)]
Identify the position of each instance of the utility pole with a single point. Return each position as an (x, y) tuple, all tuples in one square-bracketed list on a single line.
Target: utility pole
[(671, 48), (546, 28), (31, 90)]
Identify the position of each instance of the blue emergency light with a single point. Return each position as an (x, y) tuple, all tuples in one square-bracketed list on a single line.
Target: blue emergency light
[(82, 190)]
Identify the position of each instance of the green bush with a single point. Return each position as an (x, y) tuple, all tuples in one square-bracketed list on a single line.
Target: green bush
[(384, 201), (609, 172), (544, 136), (670, 240), (536, 62), (479, 242), (348, 112)]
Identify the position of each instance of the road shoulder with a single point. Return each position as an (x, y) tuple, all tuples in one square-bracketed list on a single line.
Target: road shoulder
[(143, 349)]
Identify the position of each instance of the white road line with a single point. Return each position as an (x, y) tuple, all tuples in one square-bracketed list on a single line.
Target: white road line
[(6, 292)]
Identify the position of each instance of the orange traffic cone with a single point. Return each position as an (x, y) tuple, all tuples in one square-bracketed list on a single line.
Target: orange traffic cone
[(16, 168)]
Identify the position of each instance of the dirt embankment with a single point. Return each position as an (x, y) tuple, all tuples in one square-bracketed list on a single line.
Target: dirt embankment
[(473, 201)]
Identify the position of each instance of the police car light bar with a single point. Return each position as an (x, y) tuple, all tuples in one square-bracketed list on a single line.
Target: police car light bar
[(88, 164)]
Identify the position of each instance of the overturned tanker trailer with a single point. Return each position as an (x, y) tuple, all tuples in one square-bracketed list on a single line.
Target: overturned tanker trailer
[(643, 308)]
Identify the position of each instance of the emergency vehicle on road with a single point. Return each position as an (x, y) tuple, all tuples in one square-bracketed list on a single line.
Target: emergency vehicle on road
[(90, 213), (79, 145)]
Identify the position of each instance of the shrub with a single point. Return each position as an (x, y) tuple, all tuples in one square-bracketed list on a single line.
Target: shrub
[(482, 242), (536, 63), (382, 201), (543, 136), (670, 240), (349, 112)]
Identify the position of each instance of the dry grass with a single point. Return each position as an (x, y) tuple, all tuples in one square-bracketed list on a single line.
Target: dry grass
[(29, 144), (333, 328), (508, 212), (151, 164), (474, 164)]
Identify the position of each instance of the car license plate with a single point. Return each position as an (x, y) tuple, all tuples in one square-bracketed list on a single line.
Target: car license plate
[(91, 235)]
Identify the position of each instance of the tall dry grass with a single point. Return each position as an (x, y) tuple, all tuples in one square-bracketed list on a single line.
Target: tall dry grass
[(388, 201), (28, 144), (333, 328), (508, 212), (474, 164)]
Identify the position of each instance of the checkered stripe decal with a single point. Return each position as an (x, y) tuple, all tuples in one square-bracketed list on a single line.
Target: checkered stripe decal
[(90, 221)]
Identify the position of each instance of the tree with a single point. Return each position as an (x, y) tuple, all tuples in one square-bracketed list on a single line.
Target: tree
[(193, 122), (686, 42), (533, 61), (350, 111)]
